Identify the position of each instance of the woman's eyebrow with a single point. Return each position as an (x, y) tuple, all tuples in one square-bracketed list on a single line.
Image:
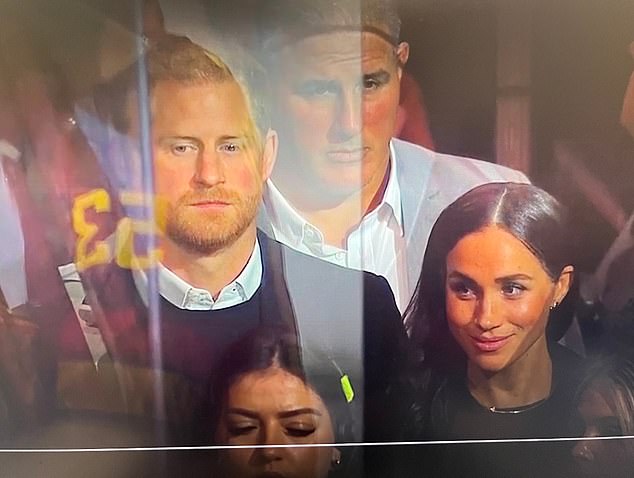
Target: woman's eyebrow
[(243, 411), (299, 411), (513, 277), (460, 275)]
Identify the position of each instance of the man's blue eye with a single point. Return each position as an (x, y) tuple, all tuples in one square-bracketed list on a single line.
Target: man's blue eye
[(371, 84), (230, 148), (180, 149), (316, 89)]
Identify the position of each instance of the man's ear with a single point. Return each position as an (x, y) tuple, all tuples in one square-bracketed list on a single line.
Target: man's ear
[(269, 153), (563, 283), (402, 55)]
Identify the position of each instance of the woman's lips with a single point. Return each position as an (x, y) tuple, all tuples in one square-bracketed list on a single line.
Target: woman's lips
[(490, 344)]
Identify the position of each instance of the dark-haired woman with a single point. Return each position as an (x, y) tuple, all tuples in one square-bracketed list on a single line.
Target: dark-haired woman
[(496, 270), (264, 397), (606, 409)]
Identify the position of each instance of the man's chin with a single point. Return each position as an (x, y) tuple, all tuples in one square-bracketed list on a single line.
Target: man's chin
[(203, 244), (205, 237)]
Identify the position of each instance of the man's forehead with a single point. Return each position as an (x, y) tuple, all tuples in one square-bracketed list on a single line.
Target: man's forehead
[(186, 107), (224, 98), (338, 49), (349, 44), (169, 89)]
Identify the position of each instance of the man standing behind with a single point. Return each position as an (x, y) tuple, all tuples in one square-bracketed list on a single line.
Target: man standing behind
[(343, 189), (218, 278)]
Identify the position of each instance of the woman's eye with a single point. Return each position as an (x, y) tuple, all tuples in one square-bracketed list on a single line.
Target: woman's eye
[(181, 149), (513, 289), (241, 428), (300, 431), (462, 290)]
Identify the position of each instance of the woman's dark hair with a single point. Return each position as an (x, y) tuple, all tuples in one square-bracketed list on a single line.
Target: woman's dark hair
[(614, 376), (270, 346), (528, 213)]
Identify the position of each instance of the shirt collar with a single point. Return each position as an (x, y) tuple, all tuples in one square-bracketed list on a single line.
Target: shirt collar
[(185, 296), (284, 218), (290, 224), (392, 195)]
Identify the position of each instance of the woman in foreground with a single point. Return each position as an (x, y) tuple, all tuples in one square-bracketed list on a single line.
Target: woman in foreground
[(264, 398)]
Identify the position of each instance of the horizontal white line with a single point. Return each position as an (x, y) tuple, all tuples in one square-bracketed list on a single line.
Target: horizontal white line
[(313, 445)]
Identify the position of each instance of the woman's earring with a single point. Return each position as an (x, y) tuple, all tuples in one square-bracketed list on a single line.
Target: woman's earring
[(336, 459), (554, 306)]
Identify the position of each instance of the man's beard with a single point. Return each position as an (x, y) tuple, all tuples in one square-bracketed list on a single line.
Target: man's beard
[(206, 232)]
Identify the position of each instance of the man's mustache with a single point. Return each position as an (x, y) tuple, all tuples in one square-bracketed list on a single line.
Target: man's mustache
[(209, 195)]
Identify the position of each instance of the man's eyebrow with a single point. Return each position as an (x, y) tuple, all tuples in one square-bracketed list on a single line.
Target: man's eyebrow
[(243, 411), (167, 137), (299, 411), (232, 137)]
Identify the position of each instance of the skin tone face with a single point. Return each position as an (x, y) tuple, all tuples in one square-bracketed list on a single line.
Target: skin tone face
[(497, 300), (274, 407), (594, 457), (337, 96), (208, 168)]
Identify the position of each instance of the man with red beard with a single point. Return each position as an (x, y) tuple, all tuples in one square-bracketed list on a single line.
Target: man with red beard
[(218, 277)]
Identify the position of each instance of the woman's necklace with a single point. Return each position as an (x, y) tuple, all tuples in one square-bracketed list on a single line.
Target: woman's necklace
[(514, 411)]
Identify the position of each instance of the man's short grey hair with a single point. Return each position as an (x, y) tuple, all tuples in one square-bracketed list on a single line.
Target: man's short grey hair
[(285, 21)]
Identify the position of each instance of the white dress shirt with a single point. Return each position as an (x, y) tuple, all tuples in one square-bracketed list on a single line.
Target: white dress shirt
[(185, 296), (376, 244), (12, 268)]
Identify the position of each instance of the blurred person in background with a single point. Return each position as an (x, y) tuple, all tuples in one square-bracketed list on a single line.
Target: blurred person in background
[(613, 281), (605, 405), (343, 189)]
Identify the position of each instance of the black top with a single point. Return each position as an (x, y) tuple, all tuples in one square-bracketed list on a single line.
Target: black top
[(456, 415), (195, 340)]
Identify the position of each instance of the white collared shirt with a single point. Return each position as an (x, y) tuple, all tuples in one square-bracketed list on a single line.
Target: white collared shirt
[(376, 244), (185, 296), (12, 267)]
